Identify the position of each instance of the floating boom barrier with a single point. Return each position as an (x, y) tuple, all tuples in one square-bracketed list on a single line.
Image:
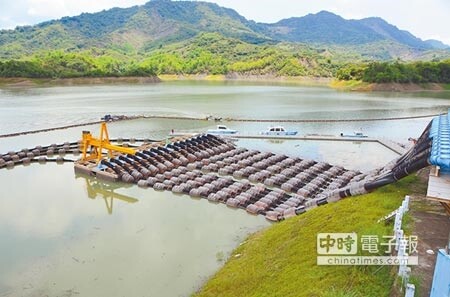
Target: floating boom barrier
[(263, 183), (58, 152), (168, 117)]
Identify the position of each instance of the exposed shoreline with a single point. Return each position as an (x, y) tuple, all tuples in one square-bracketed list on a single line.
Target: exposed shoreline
[(300, 80), (359, 86), (32, 82), (352, 86)]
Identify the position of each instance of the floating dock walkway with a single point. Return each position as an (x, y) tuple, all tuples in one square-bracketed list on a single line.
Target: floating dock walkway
[(393, 146), (135, 117)]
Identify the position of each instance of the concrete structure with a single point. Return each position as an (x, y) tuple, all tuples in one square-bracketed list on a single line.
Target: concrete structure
[(441, 279), (439, 156)]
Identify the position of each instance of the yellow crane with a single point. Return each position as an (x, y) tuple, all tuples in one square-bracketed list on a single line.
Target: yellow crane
[(92, 148)]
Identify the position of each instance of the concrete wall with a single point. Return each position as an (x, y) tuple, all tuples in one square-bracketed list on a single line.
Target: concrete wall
[(441, 279)]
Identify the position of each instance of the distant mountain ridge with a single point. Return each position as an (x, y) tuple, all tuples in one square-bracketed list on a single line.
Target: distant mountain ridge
[(437, 44), (140, 29), (323, 28), (328, 28)]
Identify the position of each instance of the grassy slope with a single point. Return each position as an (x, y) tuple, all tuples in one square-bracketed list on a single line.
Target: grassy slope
[(281, 261)]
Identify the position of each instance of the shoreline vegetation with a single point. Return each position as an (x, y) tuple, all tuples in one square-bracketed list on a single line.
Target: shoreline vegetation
[(340, 85), (395, 76)]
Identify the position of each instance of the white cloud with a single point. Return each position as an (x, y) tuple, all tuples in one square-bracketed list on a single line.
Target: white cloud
[(59, 8), (47, 8), (29, 12)]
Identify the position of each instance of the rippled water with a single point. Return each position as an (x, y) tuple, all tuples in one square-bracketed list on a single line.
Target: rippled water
[(33, 108), (68, 235)]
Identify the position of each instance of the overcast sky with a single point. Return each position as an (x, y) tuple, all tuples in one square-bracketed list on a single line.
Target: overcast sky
[(427, 19)]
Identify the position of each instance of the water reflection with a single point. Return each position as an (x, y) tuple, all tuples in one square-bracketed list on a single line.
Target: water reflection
[(55, 242), (97, 189), (276, 141), (356, 155)]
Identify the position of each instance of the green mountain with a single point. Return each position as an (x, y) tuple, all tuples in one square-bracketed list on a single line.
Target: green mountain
[(392, 33), (137, 28), (327, 28), (321, 28), (437, 44), (193, 37), (141, 29)]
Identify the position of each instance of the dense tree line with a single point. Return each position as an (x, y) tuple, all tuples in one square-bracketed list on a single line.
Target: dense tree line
[(58, 64), (386, 72), (63, 65)]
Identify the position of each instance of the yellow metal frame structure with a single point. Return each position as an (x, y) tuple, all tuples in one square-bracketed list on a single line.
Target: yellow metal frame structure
[(92, 147)]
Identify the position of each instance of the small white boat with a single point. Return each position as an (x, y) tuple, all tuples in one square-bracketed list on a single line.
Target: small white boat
[(221, 129), (278, 130), (356, 134)]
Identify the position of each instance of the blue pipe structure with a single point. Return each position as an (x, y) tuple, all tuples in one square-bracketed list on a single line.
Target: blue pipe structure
[(440, 136)]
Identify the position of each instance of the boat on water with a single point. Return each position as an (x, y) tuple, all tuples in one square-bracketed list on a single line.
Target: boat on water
[(221, 130), (356, 134), (278, 130)]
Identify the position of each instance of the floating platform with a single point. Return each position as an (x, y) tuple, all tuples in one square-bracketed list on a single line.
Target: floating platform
[(211, 167)]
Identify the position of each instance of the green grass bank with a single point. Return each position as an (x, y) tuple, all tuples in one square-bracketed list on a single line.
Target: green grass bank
[(281, 260)]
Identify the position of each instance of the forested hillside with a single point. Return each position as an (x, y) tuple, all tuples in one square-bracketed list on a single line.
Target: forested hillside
[(194, 37), (208, 53), (386, 72)]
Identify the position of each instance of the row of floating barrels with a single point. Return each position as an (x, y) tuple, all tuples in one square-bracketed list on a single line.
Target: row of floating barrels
[(28, 161), (175, 168), (305, 177), (255, 199), (308, 184), (247, 163), (150, 163), (309, 179), (184, 177), (39, 154)]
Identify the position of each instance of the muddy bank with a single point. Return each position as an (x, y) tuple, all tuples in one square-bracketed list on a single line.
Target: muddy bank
[(359, 86), (267, 78), (30, 82), (25, 82), (397, 87)]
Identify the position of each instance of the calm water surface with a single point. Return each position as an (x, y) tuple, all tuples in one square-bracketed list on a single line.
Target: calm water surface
[(68, 235)]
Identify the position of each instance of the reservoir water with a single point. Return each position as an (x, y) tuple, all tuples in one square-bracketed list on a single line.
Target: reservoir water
[(68, 235)]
